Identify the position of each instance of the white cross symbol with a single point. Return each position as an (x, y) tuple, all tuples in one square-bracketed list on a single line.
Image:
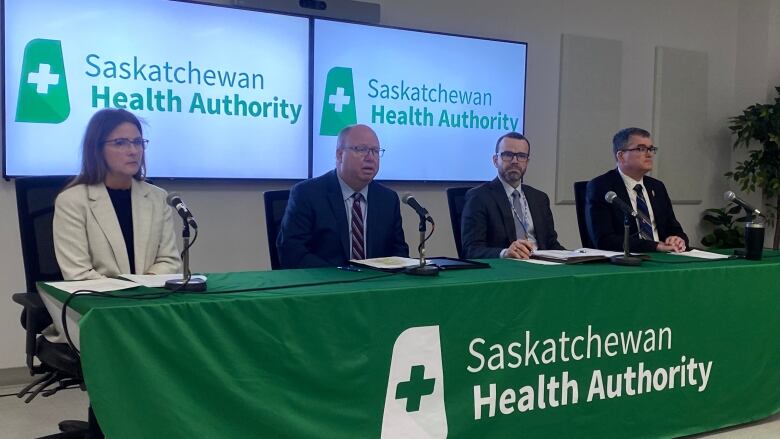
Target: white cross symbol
[(43, 78), (339, 100)]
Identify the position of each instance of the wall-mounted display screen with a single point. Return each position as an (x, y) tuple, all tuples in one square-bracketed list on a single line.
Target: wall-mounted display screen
[(437, 102), (224, 92)]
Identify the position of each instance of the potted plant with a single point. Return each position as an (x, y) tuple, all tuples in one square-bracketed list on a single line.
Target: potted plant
[(760, 123), (727, 233)]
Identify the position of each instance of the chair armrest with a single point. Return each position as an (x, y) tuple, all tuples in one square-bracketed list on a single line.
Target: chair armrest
[(29, 300), (35, 316)]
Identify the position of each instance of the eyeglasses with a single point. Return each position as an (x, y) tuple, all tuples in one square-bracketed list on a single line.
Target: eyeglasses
[(125, 144), (364, 150), (507, 156), (643, 149)]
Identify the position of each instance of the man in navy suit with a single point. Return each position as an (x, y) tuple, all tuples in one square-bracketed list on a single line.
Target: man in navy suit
[(343, 214), (634, 152), (504, 217)]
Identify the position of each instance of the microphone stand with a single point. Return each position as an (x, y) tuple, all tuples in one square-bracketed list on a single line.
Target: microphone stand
[(625, 258), (423, 269), (186, 283)]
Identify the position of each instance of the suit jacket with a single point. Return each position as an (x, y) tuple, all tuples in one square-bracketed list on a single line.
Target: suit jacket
[(315, 233), (88, 241), (605, 221), (487, 226)]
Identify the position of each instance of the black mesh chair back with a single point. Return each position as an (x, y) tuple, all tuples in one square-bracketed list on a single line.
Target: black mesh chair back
[(275, 204), (35, 206), (59, 367), (456, 199), (579, 201)]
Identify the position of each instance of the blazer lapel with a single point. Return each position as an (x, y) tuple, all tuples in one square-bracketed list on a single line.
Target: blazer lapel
[(371, 219), (339, 213), (650, 189), (502, 202), (105, 216), (143, 210), (540, 226), (620, 189)]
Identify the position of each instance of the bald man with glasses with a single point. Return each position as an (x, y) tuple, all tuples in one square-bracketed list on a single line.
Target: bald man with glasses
[(504, 217), (343, 214), (634, 154)]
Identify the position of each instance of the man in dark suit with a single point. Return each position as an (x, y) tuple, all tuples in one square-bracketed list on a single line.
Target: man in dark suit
[(343, 214), (634, 152), (505, 218)]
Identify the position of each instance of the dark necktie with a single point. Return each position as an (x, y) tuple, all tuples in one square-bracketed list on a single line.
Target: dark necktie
[(641, 206), (358, 240), (519, 215)]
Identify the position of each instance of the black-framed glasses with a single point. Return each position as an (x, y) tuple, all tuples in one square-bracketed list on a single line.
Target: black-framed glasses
[(643, 149), (124, 143), (507, 156), (365, 150)]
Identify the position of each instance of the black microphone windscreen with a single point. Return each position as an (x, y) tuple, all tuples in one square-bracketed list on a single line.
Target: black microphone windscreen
[(407, 196), (173, 199)]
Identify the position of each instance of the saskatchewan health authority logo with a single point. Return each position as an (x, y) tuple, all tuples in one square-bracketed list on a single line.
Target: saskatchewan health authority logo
[(338, 107), (414, 402), (43, 89)]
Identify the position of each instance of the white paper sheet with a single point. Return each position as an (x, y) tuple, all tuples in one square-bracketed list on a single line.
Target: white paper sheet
[(389, 263), (104, 284), (702, 254), (538, 261), (597, 252)]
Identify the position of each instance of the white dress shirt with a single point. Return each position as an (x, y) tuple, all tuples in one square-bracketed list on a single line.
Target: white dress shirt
[(529, 222), (346, 194), (630, 183)]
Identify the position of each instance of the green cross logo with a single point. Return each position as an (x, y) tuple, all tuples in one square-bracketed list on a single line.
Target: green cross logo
[(43, 90), (338, 107), (414, 389), (416, 372)]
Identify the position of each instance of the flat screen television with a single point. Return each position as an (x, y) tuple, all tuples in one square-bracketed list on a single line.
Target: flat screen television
[(437, 102), (224, 92), (234, 93)]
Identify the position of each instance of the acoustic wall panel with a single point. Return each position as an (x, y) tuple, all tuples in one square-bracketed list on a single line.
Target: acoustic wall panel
[(679, 120), (589, 110)]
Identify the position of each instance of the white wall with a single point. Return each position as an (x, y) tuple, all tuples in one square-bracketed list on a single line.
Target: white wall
[(741, 40)]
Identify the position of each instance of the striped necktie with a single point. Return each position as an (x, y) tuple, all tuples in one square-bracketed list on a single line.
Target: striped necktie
[(358, 240), (519, 215), (641, 205)]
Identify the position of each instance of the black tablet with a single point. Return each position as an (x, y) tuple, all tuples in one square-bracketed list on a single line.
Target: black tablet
[(445, 263)]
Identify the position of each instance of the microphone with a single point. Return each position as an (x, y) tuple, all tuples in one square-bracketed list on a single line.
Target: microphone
[(731, 196), (612, 198), (174, 200), (626, 258), (410, 201)]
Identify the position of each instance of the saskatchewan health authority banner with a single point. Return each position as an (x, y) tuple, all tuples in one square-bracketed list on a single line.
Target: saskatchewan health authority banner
[(437, 102), (222, 90), (585, 351)]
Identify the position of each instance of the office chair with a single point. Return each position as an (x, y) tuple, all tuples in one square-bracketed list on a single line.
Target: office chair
[(58, 366), (456, 198), (275, 204), (580, 188)]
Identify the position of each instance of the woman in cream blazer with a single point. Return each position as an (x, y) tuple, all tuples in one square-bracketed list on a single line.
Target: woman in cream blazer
[(89, 240)]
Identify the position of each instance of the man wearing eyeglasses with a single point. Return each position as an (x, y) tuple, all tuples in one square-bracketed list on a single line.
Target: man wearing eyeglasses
[(504, 217), (343, 214), (634, 153)]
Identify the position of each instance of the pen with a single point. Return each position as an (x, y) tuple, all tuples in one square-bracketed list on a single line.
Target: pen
[(348, 268)]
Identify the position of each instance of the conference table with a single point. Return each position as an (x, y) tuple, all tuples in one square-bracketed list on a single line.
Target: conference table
[(673, 347)]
